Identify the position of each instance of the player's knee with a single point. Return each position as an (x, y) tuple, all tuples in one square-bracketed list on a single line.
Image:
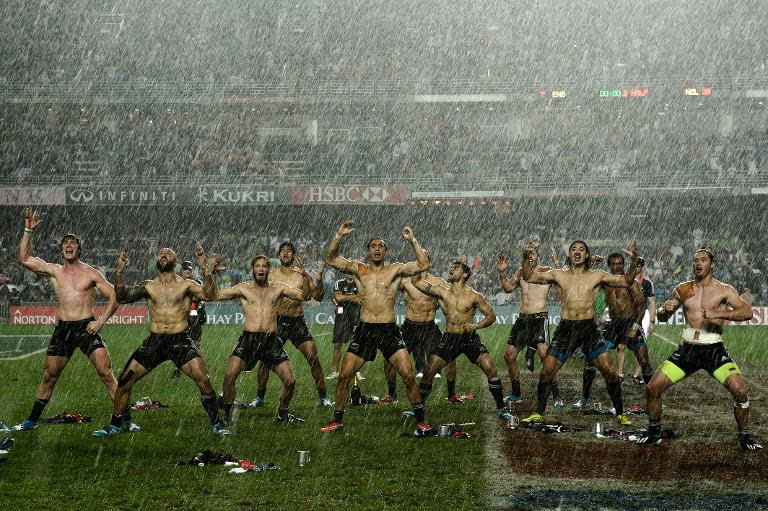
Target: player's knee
[(653, 390), (289, 383), (50, 379), (740, 394)]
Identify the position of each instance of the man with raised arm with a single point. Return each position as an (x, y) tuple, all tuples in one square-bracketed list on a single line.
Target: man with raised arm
[(260, 342), (459, 304), (577, 326), (291, 325), (530, 333), (168, 297), (707, 303), (378, 283), (75, 284)]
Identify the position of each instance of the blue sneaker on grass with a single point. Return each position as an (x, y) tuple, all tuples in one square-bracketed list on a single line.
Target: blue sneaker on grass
[(25, 425), (503, 413), (108, 430), (513, 399), (220, 429)]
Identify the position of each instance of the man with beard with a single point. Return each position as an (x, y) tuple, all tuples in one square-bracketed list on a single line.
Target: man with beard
[(260, 342), (291, 325), (577, 327), (197, 315), (378, 283), (625, 308), (168, 297), (530, 333), (459, 304), (707, 303), (75, 284)]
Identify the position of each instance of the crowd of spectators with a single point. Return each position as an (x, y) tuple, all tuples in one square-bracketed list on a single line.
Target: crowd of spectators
[(51, 41), (45, 144)]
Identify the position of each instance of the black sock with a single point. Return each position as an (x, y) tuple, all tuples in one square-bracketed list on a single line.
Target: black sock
[(392, 388), (515, 390), (260, 393), (418, 411), (228, 407), (743, 435), (495, 387), (127, 415), (323, 394), (282, 413), (555, 391), (117, 420), (654, 428), (614, 390), (451, 388), (338, 415), (211, 406), (37, 409), (586, 381), (426, 390), (542, 395)]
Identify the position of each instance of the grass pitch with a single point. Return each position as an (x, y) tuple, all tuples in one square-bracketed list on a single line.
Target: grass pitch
[(372, 464)]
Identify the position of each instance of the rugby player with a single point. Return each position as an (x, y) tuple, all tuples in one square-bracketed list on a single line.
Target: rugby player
[(530, 333), (291, 325), (707, 303), (197, 316), (378, 283), (168, 297), (260, 341), (459, 304), (577, 327), (75, 284), (346, 304)]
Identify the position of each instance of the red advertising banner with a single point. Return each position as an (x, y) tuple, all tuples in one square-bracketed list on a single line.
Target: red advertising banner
[(46, 315), (349, 194)]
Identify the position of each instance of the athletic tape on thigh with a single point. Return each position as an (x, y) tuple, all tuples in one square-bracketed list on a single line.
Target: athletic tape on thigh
[(745, 404), (673, 372)]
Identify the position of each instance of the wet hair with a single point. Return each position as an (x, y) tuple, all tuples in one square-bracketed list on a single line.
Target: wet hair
[(186, 265), (374, 239), (615, 255), (72, 237), (287, 244), (640, 262), (260, 256), (709, 253), (466, 269), (587, 259)]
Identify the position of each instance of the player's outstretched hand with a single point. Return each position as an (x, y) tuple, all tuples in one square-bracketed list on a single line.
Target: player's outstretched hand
[(122, 261), (31, 219), (408, 233), (501, 263), (346, 228), (632, 250)]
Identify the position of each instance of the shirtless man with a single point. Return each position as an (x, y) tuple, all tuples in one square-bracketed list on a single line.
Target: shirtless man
[(291, 325), (459, 304), (260, 342), (706, 302), (169, 297), (75, 284), (421, 335), (577, 328), (531, 329), (626, 310), (377, 283)]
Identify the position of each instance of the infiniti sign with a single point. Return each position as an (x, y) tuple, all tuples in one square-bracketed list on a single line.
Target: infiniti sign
[(81, 196)]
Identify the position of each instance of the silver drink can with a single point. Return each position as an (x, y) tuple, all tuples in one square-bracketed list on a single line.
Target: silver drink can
[(598, 429), (445, 430), (303, 458), (598, 406), (513, 422)]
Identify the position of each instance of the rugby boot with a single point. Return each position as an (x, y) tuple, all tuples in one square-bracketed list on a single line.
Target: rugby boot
[(331, 427), (581, 403), (25, 425), (559, 405), (534, 418), (748, 444), (513, 399), (650, 439), (454, 399), (131, 427), (290, 419), (324, 401), (257, 403), (108, 430), (388, 400), (220, 429), (422, 429), (623, 420), (503, 413)]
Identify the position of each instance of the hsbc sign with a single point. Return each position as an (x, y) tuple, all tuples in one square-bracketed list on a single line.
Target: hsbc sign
[(349, 194)]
